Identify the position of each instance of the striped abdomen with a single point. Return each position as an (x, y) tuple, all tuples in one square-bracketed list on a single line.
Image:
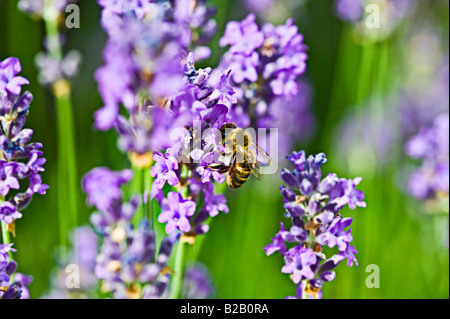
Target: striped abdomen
[(238, 175)]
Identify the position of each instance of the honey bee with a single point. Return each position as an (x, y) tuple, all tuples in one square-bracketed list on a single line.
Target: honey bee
[(245, 156)]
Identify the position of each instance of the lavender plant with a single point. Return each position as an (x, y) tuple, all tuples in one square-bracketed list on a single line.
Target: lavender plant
[(266, 66), (129, 263), (430, 145), (20, 162), (161, 90), (314, 206)]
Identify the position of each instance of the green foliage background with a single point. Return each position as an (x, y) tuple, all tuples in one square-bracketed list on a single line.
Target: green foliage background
[(393, 232)]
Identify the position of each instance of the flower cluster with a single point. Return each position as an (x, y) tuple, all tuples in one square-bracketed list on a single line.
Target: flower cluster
[(426, 94), (51, 70), (314, 206), (146, 51), (128, 262), (168, 100), (12, 285), (266, 67), (431, 145), (20, 161), (151, 49), (197, 283)]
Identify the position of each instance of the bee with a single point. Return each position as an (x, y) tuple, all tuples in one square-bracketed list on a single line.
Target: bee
[(244, 156)]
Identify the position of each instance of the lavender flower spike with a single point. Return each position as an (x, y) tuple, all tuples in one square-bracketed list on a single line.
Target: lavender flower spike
[(21, 164), (314, 206)]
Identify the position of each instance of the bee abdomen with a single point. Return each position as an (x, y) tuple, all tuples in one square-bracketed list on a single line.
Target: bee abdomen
[(238, 176)]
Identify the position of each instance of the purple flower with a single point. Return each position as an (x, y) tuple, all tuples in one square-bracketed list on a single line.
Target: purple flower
[(9, 81), (24, 282), (9, 212), (314, 206), (244, 37), (336, 235), (141, 251), (277, 243), (355, 196), (243, 67), (164, 169), (224, 92), (298, 158), (145, 38), (350, 10), (103, 186), (197, 283), (177, 212), (133, 262), (20, 161), (206, 172), (51, 70), (345, 193), (85, 246), (298, 263), (349, 254), (431, 147), (214, 203), (266, 76), (4, 250), (7, 179)]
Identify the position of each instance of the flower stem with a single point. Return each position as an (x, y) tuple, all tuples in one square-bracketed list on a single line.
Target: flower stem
[(6, 239), (177, 278), (67, 171), (138, 187), (67, 176)]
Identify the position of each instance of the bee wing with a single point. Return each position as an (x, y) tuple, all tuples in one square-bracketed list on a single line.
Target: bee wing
[(255, 170), (260, 155), (241, 154)]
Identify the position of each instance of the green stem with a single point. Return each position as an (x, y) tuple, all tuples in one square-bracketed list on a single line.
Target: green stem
[(177, 278), (50, 16), (365, 74), (67, 171), (6, 238), (148, 181), (138, 187)]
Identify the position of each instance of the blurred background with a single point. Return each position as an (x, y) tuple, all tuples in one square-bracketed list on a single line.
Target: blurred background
[(370, 92)]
